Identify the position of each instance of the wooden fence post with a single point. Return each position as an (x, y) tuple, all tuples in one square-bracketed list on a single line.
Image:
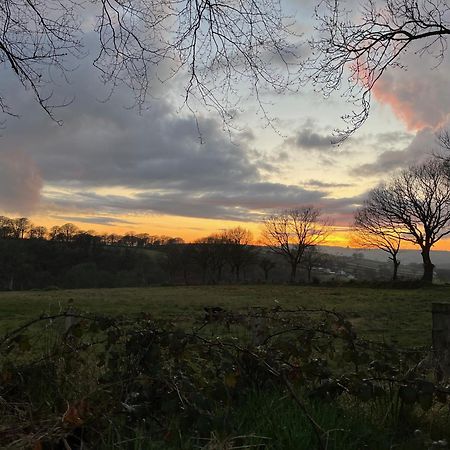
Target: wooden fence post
[(441, 338)]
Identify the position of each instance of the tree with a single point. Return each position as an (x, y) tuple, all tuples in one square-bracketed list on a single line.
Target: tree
[(210, 254), (360, 50), (266, 264), (6, 227), (417, 203), (178, 260), (20, 225), (37, 232), (239, 251), (63, 233), (290, 232), (216, 44), (312, 258), (372, 229)]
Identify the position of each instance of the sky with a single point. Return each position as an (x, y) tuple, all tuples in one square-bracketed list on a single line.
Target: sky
[(113, 169)]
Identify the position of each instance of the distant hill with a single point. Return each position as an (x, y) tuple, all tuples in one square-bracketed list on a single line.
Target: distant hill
[(440, 258)]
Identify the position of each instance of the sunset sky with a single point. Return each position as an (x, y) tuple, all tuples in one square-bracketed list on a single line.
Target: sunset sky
[(109, 168)]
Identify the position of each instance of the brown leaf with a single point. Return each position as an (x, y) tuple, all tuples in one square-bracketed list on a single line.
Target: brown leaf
[(76, 413)]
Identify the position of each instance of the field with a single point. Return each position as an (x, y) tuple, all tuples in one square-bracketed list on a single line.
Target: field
[(100, 383), (398, 315)]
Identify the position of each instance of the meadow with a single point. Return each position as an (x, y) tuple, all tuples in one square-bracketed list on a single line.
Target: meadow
[(392, 315), (133, 381)]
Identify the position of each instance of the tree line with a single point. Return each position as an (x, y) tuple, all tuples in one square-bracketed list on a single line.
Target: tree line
[(66, 256), (23, 228), (413, 206)]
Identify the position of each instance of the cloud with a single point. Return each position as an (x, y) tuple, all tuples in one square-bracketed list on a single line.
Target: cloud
[(309, 139), (422, 147), (420, 95), (107, 160), (20, 183), (243, 202), (100, 220), (323, 184), (313, 138)]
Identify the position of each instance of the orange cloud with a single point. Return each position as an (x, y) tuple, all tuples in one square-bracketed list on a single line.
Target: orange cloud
[(402, 108), (420, 98)]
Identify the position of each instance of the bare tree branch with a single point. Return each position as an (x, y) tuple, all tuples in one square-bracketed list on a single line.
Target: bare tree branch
[(212, 45), (356, 52), (290, 232)]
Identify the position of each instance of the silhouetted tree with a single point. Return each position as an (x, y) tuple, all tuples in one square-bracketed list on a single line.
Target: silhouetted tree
[(6, 227), (210, 254), (20, 226), (239, 251), (179, 260), (312, 258), (290, 232), (63, 233), (266, 264), (373, 229), (417, 203), (37, 232)]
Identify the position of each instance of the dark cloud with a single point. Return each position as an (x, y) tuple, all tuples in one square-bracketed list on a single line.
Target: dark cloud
[(243, 202), (324, 185), (20, 182), (159, 161), (422, 147), (164, 162), (100, 220), (309, 139)]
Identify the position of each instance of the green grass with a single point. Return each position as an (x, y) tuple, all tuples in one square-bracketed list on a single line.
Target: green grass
[(272, 420), (402, 315)]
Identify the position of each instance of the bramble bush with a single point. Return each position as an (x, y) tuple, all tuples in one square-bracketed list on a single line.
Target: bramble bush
[(76, 380)]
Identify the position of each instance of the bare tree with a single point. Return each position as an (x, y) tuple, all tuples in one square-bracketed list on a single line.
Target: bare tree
[(20, 225), (417, 203), (63, 233), (210, 254), (37, 232), (444, 140), (290, 232), (213, 44), (6, 227), (358, 50), (372, 229), (266, 264), (240, 252), (312, 258)]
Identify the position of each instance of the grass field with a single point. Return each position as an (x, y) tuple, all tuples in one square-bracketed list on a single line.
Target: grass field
[(402, 315)]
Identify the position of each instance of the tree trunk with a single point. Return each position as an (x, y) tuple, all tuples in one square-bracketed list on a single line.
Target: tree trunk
[(309, 274), (396, 264), (428, 266), (293, 272), (11, 283)]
